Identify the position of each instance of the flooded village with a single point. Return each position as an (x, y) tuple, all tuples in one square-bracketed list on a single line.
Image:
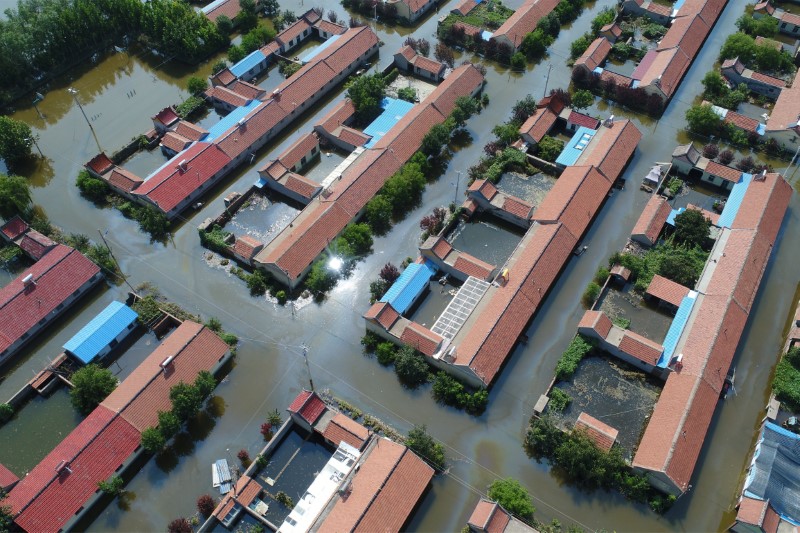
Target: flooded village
[(412, 265)]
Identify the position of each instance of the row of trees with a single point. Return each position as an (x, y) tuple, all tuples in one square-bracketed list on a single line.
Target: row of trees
[(634, 98), (44, 37), (767, 56)]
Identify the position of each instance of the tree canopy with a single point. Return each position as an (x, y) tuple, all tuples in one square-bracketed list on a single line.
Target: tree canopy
[(421, 443), (410, 367), (186, 400), (92, 384), (366, 93), (15, 196), (16, 140), (513, 497), (703, 120), (692, 228)]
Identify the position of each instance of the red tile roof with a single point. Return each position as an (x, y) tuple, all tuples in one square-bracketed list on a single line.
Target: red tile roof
[(124, 179), (499, 521), (597, 321), (464, 7), (472, 266), (741, 267), (14, 228), (667, 290), (229, 8), (666, 70), (652, 220), (575, 199), (618, 79), (329, 27), (224, 77), (294, 31), (343, 428), (485, 187), (246, 246), (769, 80), (145, 391), (533, 268), (167, 116), (190, 130), (175, 142), (603, 435), (383, 313), (56, 276), (339, 115), (301, 185), (308, 406), (415, 5), (384, 491), (172, 185), (299, 149), (482, 513), (771, 521), (441, 248), (611, 148), (227, 96), (688, 33), (248, 90), (595, 55), (621, 271), (721, 171), (752, 511), (710, 215), (517, 207), (428, 65), (7, 478), (468, 29), (790, 18), (538, 124), (769, 42), (351, 136), (659, 9), (421, 338), (741, 121), (99, 164), (766, 203), (524, 20), (786, 112), (580, 119), (640, 347), (35, 244)]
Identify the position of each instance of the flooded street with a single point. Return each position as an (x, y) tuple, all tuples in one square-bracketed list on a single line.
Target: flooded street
[(119, 95)]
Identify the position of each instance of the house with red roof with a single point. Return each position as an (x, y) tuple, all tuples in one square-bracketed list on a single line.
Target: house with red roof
[(35, 245), (603, 435), (783, 123), (652, 221), (464, 7), (165, 119), (62, 488), (594, 56), (306, 409), (407, 59), (538, 125), (245, 248), (41, 293), (412, 10), (13, 230), (490, 517), (219, 8), (502, 205), (736, 72), (523, 21)]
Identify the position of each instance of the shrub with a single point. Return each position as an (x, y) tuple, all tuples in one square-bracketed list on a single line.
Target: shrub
[(370, 342), (152, 440), (91, 188), (550, 148), (692, 228), (205, 505), (266, 430), (786, 384), (196, 85), (284, 499), (6, 412), (389, 273), (559, 400), (359, 237), (261, 461), (189, 106), (746, 164), (568, 363), (386, 353), (281, 297), (321, 279), (590, 294), (582, 99), (601, 275), (518, 61), (421, 443), (410, 367), (725, 157), (514, 498), (244, 457), (257, 282), (168, 424), (179, 525), (579, 45), (409, 94), (204, 383), (711, 151), (92, 384), (449, 391), (113, 486), (186, 400)]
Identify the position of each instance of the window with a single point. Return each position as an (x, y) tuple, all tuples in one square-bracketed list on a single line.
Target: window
[(113, 343)]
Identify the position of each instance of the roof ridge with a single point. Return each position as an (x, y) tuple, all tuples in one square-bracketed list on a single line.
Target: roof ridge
[(40, 276), (383, 483)]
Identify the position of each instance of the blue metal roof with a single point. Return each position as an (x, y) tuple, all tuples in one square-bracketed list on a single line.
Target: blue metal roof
[(213, 5), (673, 214), (313, 53), (409, 286), (486, 35), (100, 331), (250, 61), (574, 148), (734, 201), (230, 120), (393, 111), (676, 328)]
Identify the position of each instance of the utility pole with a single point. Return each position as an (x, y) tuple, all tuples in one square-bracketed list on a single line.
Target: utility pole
[(74, 92), (124, 278), (547, 80), (458, 181), (794, 157), (308, 368), (32, 139), (39, 97)]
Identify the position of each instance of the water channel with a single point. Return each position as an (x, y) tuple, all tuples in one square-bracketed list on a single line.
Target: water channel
[(122, 91)]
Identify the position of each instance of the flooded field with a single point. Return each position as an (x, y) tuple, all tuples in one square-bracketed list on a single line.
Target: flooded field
[(269, 369)]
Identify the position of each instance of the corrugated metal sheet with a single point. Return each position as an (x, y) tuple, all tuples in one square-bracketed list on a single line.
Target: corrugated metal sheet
[(230, 119), (100, 331), (676, 328), (734, 201), (574, 148), (251, 61), (393, 111), (409, 286), (313, 53)]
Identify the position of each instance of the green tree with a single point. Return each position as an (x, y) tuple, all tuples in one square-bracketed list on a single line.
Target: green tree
[(386, 352), (550, 148), (196, 85), (366, 92), (764, 26), (219, 66), (152, 221), (466, 106), (582, 99), (92, 188), (274, 418), (236, 53), (224, 25), (435, 139), (321, 279), (205, 383), (715, 84), (359, 237), (168, 424), (15, 196), (518, 61), (152, 440), (421, 443), (606, 16), (579, 45), (6, 412), (738, 45), (680, 268), (506, 133), (703, 120), (270, 7), (410, 367), (692, 228), (535, 44), (112, 486), (513, 497), (16, 140), (91, 385), (186, 400)]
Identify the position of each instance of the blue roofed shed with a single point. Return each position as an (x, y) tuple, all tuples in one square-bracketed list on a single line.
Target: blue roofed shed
[(102, 333), (676, 328), (574, 148), (250, 66), (393, 111), (409, 286)]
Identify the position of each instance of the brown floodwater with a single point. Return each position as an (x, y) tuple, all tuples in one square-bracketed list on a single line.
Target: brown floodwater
[(122, 91)]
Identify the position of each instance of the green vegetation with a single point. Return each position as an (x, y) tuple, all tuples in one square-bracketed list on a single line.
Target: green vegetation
[(765, 26), (679, 263), (764, 57), (449, 391), (6, 518), (370, 342), (579, 45), (513, 497), (6, 412), (421, 443), (583, 464), (149, 218), (559, 400), (284, 499), (606, 16), (582, 99), (196, 85), (621, 322), (703, 120), (718, 92), (153, 440), (189, 106), (490, 15), (786, 383), (409, 94), (92, 188), (590, 294), (215, 239), (92, 384), (186, 400), (601, 275), (168, 424), (578, 348), (692, 228), (147, 308), (288, 68), (410, 367), (386, 353), (16, 138), (366, 93), (113, 486), (674, 185), (550, 148), (15, 196)]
